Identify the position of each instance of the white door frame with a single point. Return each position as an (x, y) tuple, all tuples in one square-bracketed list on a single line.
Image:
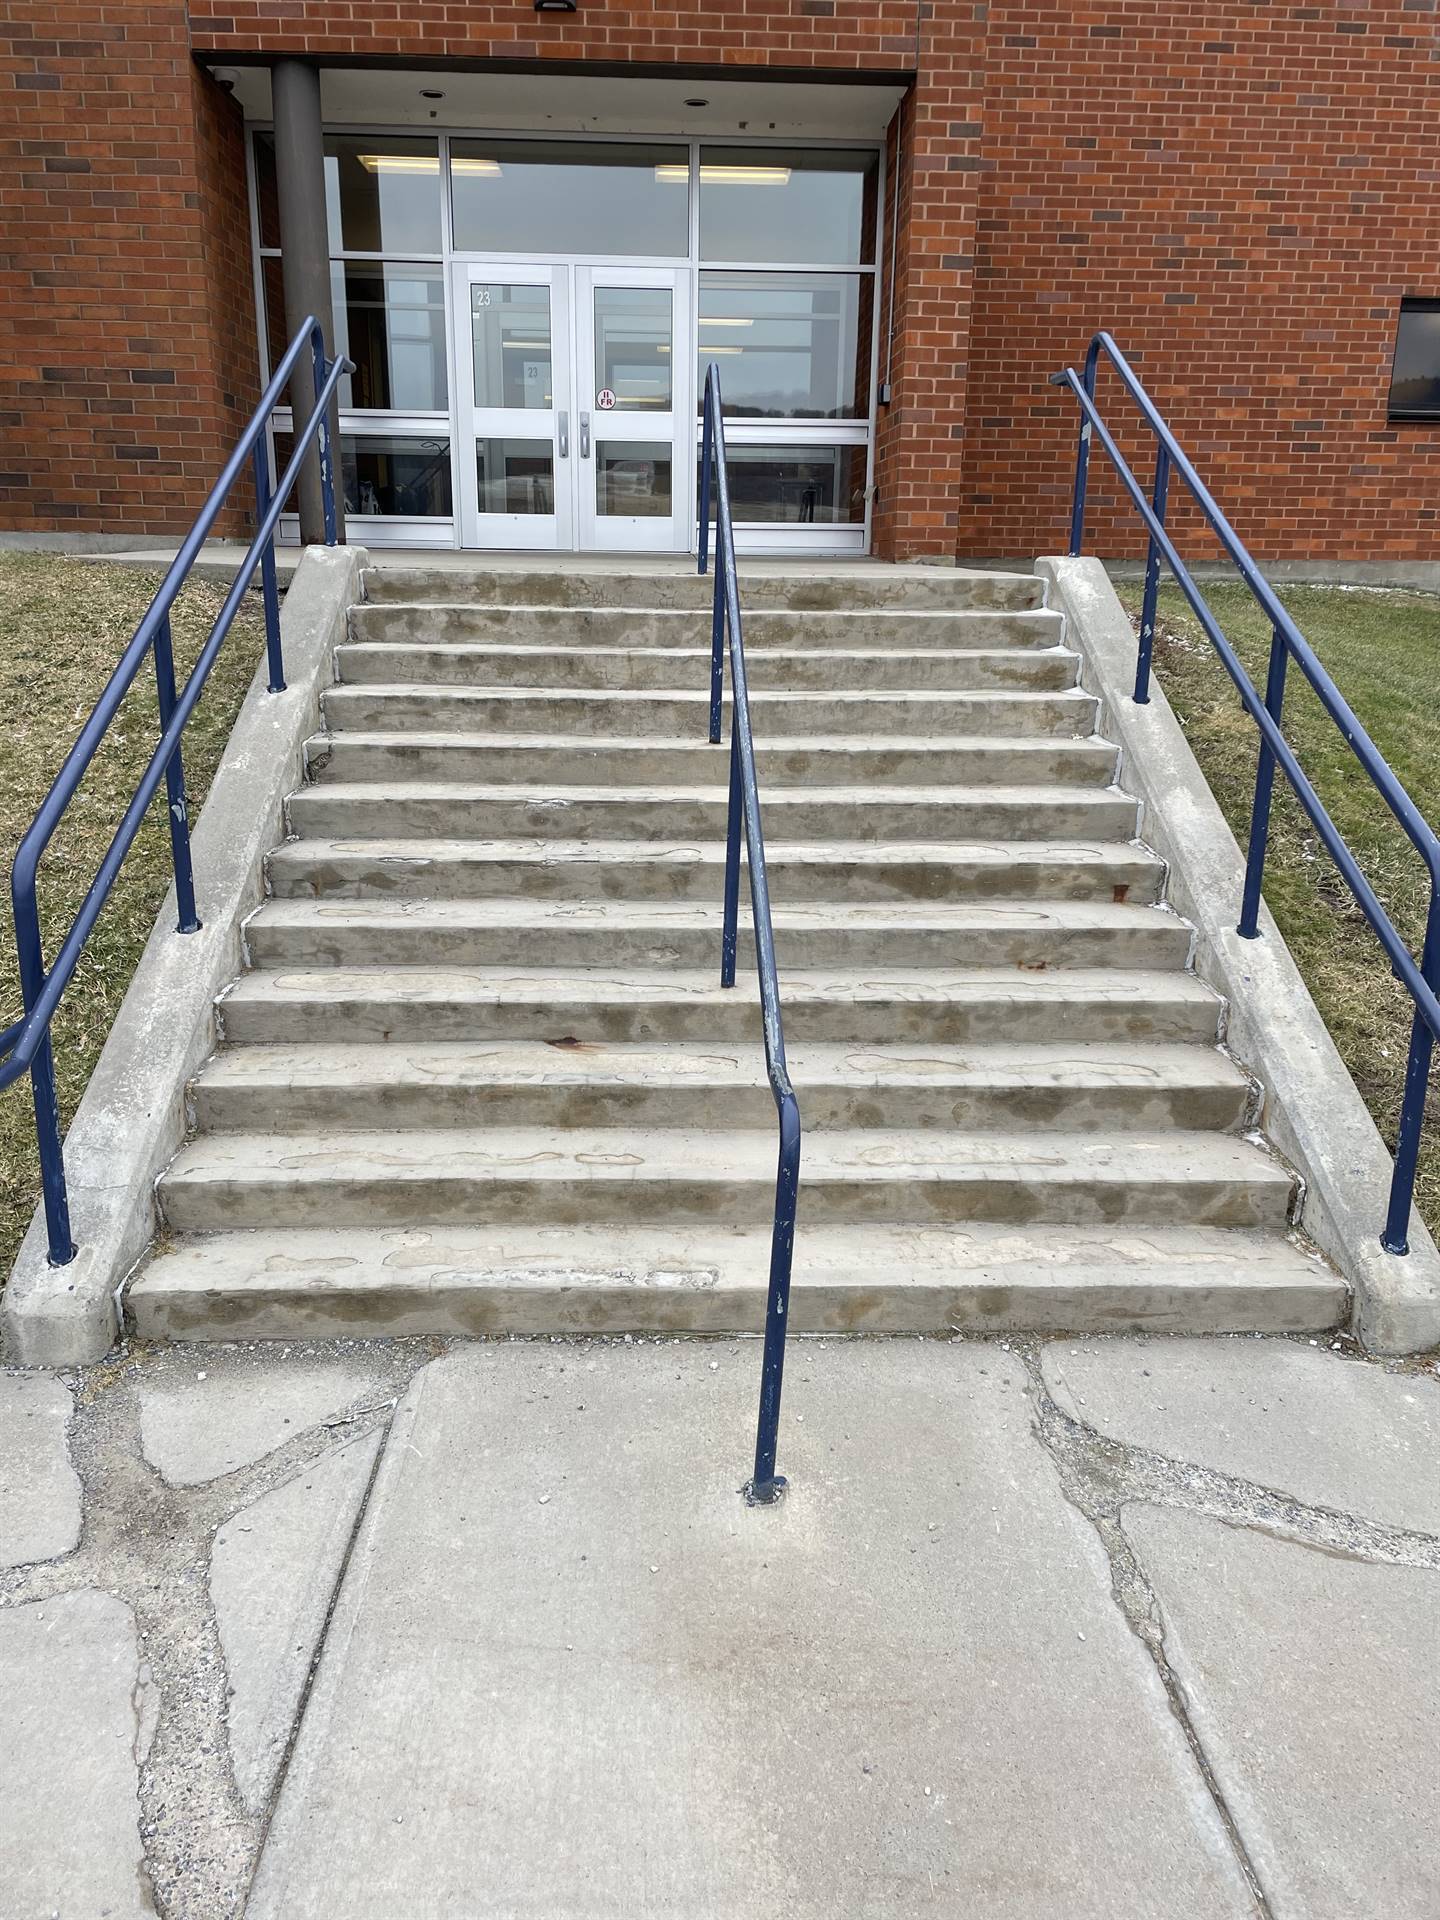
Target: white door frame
[(573, 423), (546, 417)]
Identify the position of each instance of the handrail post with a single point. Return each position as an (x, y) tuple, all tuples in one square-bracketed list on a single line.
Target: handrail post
[(1158, 500), (322, 436), (1082, 461), (1396, 1237), (730, 932), (705, 440), (60, 1246), (766, 1486), (268, 585), (1249, 927), (176, 808)]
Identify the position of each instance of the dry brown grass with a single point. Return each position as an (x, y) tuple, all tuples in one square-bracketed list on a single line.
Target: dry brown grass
[(1382, 649), (63, 623)]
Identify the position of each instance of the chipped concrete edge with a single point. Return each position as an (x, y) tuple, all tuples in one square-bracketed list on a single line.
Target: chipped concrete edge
[(131, 1119), (1312, 1110)]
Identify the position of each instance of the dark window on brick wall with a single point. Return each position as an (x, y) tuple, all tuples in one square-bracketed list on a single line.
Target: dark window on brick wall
[(1415, 371)]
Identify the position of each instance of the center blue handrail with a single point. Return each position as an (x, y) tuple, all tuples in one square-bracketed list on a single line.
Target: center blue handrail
[(26, 1043), (766, 1485), (1421, 980)]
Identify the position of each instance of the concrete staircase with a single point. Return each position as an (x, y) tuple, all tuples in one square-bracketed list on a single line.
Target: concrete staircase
[(480, 1076)]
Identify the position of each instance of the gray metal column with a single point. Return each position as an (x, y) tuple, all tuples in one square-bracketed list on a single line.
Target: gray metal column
[(305, 261)]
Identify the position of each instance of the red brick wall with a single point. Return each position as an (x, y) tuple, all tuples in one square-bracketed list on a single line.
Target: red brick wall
[(1241, 193), (1241, 189), (127, 339)]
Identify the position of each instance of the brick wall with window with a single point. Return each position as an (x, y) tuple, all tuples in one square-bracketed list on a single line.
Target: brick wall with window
[(127, 349), (1243, 194)]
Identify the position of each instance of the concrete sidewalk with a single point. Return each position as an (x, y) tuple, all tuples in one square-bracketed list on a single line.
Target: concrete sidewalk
[(386, 1631)]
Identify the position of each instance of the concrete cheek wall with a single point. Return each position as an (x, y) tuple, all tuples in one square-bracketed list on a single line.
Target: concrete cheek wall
[(1312, 1113), (132, 1117)]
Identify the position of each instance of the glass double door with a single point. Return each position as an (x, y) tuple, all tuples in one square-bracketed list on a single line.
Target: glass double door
[(577, 422)]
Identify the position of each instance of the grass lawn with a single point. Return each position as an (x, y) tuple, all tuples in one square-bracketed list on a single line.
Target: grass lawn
[(1382, 650), (63, 623)]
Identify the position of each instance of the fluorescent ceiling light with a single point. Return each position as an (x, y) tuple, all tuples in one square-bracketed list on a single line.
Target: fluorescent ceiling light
[(475, 168), (529, 346), (724, 320), (730, 176), (707, 349), (400, 162)]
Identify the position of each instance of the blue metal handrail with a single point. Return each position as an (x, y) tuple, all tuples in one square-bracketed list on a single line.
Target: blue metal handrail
[(26, 1043), (766, 1485), (1421, 981)]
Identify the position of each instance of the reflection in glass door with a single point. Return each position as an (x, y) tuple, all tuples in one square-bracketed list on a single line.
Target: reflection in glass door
[(514, 367), (632, 480)]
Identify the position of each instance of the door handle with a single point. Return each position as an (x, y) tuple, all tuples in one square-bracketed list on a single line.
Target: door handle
[(584, 436), (564, 425)]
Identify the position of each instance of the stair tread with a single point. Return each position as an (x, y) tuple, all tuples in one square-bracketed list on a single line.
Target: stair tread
[(778, 797), (909, 1256), (688, 1157), (571, 989), (692, 656), (981, 743), (700, 1064), (700, 695), (432, 848), (500, 910)]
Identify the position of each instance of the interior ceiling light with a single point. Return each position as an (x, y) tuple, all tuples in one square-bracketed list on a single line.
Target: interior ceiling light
[(717, 176), (724, 320), (426, 163)]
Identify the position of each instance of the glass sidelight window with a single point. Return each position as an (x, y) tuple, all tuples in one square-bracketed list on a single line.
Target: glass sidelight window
[(789, 346), (797, 485), (388, 475)]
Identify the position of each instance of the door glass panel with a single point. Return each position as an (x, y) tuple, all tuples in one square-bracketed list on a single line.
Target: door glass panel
[(510, 335), (632, 478), (515, 476), (788, 203), (633, 330), (571, 196), (386, 473), (789, 346), (796, 486)]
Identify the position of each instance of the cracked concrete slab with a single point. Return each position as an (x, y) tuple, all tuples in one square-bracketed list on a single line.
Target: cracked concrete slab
[(200, 1421), (75, 1717), (1313, 1687), (272, 1578), (1324, 1428), (571, 1672), (39, 1489)]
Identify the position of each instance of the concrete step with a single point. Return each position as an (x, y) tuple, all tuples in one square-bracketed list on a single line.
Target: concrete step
[(558, 1177), (1013, 934), (415, 809), (841, 872), (590, 714), (764, 587), (590, 1083), (900, 629), (536, 760), (315, 1284), (319, 1005), (640, 668)]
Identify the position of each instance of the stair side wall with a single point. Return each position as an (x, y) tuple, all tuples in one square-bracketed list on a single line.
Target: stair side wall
[(131, 1120), (1313, 1112)]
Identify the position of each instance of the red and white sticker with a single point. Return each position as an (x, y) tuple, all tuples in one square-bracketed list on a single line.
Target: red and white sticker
[(605, 399)]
